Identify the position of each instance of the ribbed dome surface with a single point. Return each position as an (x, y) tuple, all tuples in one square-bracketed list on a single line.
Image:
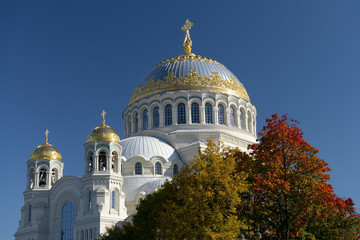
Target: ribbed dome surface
[(45, 151), (182, 68), (147, 147)]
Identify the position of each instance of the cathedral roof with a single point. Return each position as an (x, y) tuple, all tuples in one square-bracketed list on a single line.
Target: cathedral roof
[(103, 133), (45, 151), (147, 147), (189, 72)]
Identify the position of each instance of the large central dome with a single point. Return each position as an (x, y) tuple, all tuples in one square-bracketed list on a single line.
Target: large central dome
[(189, 72)]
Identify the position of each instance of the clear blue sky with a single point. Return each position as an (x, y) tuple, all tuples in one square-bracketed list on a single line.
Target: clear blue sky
[(63, 62)]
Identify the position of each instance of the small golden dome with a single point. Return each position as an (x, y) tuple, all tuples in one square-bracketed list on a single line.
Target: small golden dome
[(103, 133), (45, 151)]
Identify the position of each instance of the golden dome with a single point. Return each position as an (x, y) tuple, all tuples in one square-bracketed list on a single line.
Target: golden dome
[(189, 72), (45, 151), (103, 133)]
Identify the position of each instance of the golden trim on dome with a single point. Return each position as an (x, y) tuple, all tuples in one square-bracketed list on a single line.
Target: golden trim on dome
[(192, 81), (190, 58)]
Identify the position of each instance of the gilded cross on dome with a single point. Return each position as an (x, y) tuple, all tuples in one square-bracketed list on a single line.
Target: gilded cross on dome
[(46, 136), (187, 41), (103, 115)]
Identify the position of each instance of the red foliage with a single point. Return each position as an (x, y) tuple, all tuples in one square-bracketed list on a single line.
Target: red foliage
[(291, 180)]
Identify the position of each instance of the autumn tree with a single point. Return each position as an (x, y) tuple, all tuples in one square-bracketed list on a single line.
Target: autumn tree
[(289, 189)]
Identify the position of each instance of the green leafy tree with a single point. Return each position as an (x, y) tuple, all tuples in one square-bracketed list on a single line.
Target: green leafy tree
[(206, 197)]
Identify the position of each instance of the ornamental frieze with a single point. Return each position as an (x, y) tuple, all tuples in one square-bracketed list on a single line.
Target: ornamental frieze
[(192, 81)]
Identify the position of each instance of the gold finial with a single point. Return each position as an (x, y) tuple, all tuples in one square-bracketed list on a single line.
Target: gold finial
[(187, 41), (46, 136), (103, 115)]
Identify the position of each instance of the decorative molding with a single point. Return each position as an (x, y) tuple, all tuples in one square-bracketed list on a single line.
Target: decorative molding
[(102, 145), (42, 163), (89, 147), (192, 81)]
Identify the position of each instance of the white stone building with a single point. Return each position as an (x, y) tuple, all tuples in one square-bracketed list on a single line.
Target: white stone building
[(181, 103)]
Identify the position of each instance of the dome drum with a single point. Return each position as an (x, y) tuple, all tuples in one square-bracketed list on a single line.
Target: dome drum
[(190, 109)]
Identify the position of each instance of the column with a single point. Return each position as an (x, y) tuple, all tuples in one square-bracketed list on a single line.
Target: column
[(215, 115), (161, 117), (237, 115), (227, 116), (202, 114)]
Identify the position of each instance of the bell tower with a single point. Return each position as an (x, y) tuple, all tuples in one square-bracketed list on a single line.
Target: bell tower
[(102, 180), (44, 169)]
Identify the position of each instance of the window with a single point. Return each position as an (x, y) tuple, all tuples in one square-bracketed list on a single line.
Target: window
[(242, 118), (138, 169), (42, 177), (90, 162), (89, 200), (67, 221), (113, 199), (136, 123), (168, 115), (175, 169), (249, 121), (232, 117), (156, 117), (221, 114), (158, 168), (102, 161), (195, 118), (29, 214), (181, 114), (145, 119), (208, 113), (129, 126)]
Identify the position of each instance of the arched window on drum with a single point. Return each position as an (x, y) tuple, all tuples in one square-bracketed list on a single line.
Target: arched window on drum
[(181, 113), (145, 119), (195, 116), (232, 116), (208, 113), (168, 115), (156, 119), (242, 119), (221, 114)]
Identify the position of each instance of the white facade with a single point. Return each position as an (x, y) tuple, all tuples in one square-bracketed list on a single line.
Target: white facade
[(181, 103)]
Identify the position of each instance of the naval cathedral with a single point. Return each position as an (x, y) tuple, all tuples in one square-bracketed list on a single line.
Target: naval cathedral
[(173, 110)]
